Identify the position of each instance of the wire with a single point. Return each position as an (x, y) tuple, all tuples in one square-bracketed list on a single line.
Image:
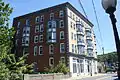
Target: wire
[(83, 9), (97, 23)]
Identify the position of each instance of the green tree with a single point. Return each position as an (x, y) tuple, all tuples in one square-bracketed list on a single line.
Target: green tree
[(60, 68), (10, 67)]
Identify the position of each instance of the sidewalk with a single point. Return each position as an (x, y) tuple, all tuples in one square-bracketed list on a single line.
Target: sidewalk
[(83, 76)]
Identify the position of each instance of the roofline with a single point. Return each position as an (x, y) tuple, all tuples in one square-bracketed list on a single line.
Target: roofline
[(67, 4), (78, 13)]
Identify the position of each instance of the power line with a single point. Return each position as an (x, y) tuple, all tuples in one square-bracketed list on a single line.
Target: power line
[(83, 9), (97, 23)]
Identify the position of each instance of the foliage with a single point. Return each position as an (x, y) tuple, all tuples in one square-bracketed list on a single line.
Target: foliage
[(60, 68), (109, 57), (10, 67)]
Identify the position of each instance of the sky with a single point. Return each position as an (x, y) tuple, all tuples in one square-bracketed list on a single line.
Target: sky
[(21, 7)]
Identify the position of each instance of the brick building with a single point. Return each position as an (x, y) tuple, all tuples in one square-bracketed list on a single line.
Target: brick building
[(57, 33)]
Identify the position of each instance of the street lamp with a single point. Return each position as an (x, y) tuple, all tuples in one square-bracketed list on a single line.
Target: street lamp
[(110, 8)]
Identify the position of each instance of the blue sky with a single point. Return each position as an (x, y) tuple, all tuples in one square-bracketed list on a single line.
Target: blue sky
[(22, 7)]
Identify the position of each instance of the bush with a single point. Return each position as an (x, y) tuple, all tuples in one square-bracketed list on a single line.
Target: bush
[(60, 68)]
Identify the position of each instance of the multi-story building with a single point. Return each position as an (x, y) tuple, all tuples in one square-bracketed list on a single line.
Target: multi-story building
[(57, 33)]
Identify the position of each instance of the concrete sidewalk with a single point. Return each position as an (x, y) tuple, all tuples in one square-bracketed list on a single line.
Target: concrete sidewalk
[(84, 76)]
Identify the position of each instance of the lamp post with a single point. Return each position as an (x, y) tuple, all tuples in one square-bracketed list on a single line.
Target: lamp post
[(110, 8)]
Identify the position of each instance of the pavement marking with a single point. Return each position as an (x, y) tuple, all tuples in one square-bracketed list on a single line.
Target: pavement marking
[(103, 78)]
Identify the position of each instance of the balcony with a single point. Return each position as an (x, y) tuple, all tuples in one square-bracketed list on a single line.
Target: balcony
[(89, 47), (81, 43), (87, 29), (88, 37)]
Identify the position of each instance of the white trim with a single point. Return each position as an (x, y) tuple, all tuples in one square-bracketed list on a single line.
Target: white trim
[(62, 33), (38, 17), (36, 28), (50, 61), (51, 16), (35, 50), (42, 17), (61, 46), (61, 59), (61, 13), (40, 36), (40, 48), (61, 21), (35, 37), (50, 49)]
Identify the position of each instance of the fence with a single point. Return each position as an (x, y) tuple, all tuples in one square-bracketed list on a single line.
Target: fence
[(54, 76)]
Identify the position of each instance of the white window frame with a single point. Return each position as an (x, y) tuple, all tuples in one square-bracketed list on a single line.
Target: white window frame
[(50, 49), (35, 50), (36, 37), (40, 50), (73, 48), (61, 13), (36, 27), (61, 21), (62, 33), (61, 48), (42, 18), (40, 40), (72, 35), (50, 61), (51, 16), (62, 59), (27, 22), (38, 17), (41, 27)]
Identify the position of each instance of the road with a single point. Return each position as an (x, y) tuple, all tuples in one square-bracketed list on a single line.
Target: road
[(108, 76)]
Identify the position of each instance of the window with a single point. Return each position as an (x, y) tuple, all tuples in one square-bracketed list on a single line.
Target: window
[(27, 22), (35, 50), (18, 25), (49, 24), (36, 28), (40, 50), (16, 42), (41, 38), (62, 47), (53, 24), (73, 48), (41, 28), (51, 16), (42, 18), (18, 31), (51, 49), (72, 35), (37, 20), (51, 36), (74, 26), (35, 39), (51, 61), (73, 17), (61, 23), (61, 34), (23, 40), (61, 14), (71, 24), (71, 14), (62, 59), (74, 68)]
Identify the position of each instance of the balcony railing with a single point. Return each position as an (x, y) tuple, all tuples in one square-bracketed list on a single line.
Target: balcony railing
[(81, 43), (89, 47)]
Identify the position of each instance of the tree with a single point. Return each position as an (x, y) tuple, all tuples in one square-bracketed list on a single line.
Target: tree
[(60, 68), (8, 63)]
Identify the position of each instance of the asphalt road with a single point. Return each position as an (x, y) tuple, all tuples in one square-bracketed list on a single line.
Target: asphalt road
[(108, 76)]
